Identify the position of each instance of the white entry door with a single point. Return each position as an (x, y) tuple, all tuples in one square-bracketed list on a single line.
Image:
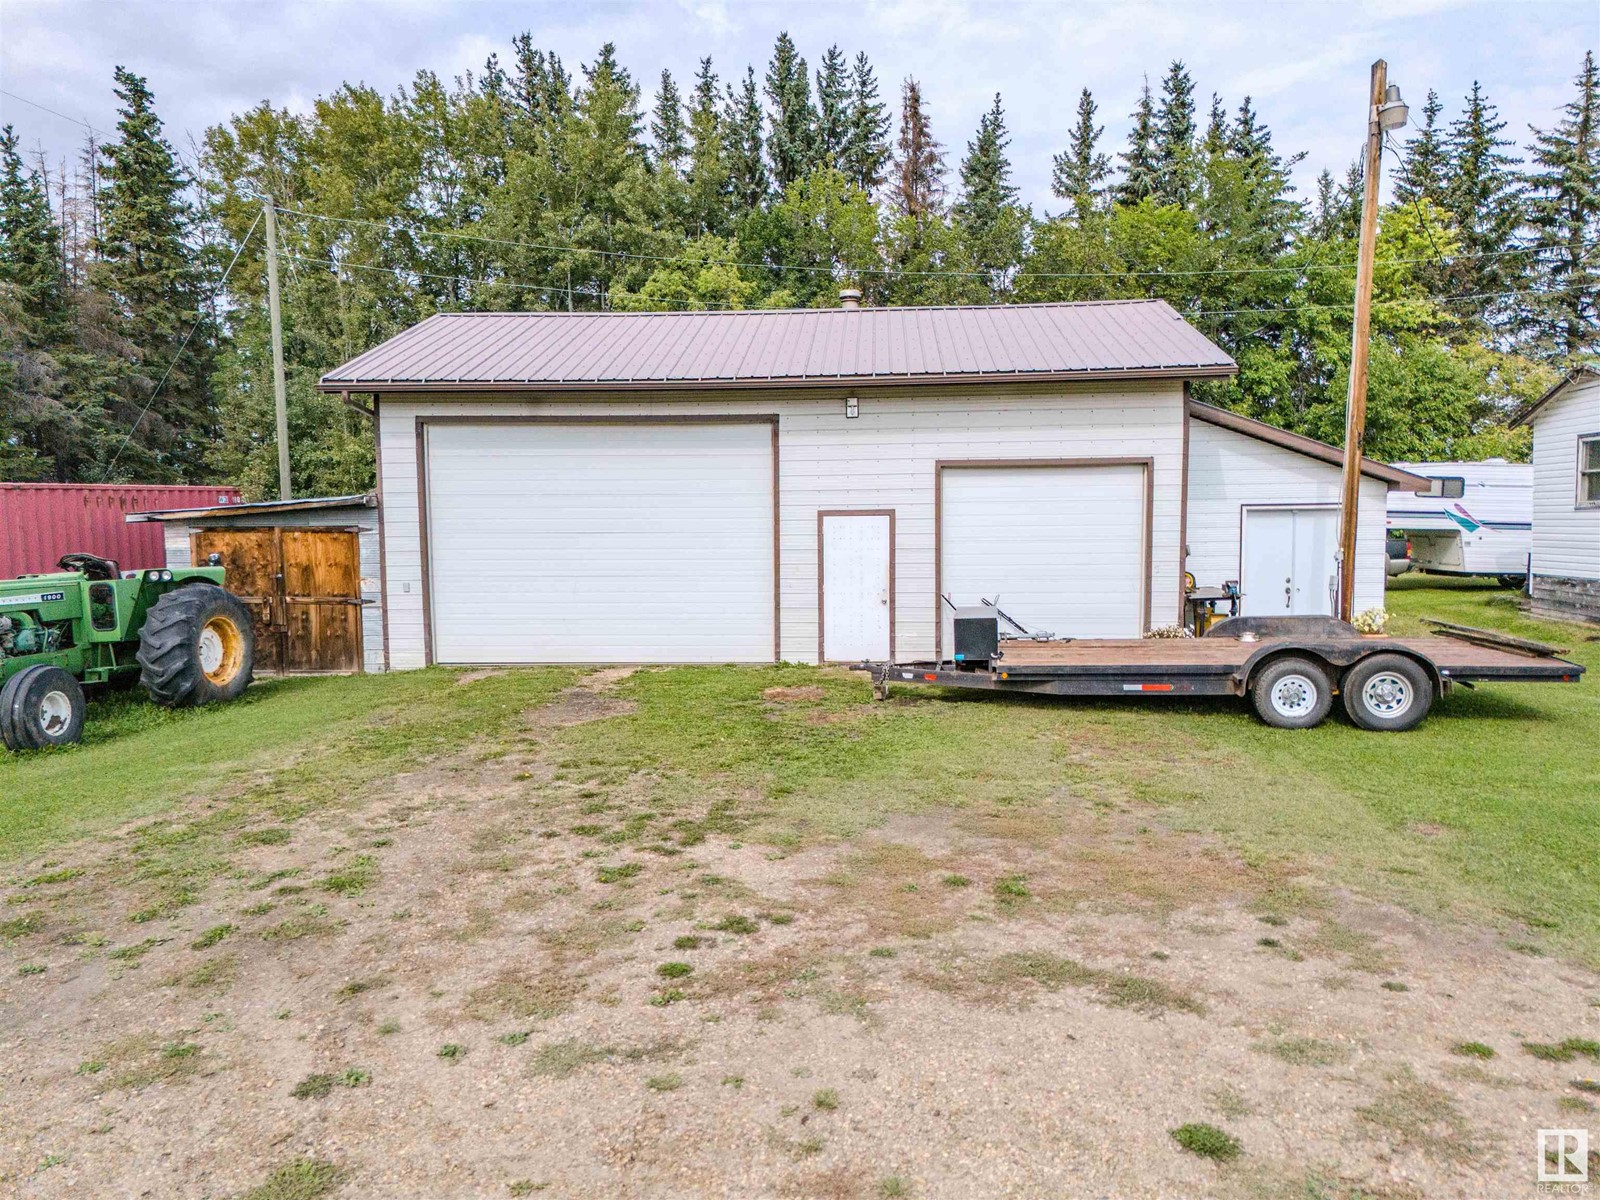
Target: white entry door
[(1289, 565), (857, 586)]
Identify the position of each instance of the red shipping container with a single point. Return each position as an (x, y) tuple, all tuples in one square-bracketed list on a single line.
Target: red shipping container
[(39, 522)]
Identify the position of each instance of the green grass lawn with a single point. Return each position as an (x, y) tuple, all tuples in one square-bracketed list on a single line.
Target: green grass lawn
[(1490, 810)]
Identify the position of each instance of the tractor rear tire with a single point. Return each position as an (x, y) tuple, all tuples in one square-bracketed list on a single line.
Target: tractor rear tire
[(197, 647), (41, 706)]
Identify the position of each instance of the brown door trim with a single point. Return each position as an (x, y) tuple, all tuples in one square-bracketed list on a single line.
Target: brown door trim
[(822, 515), (421, 427), (941, 465)]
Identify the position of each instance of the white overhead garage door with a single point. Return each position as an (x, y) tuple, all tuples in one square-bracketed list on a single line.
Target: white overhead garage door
[(600, 542), (1063, 548)]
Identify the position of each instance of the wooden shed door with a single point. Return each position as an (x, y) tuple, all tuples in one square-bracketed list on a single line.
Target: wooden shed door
[(303, 589)]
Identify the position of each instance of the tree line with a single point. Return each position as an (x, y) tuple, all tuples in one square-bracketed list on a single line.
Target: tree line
[(134, 336)]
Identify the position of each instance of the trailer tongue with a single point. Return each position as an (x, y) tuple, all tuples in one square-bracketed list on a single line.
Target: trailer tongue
[(1291, 668)]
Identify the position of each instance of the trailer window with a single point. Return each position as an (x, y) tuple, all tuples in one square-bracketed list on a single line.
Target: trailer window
[(1451, 487), (1589, 471), (102, 606)]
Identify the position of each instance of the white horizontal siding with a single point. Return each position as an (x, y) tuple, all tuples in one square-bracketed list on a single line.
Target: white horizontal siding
[(1228, 471), (885, 458), (1566, 538), (365, 520)]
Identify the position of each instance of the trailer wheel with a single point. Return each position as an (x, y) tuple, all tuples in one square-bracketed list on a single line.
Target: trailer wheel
[(41, 706), (1292, 693), (1387, 693), (197, 647), (1513, 581)]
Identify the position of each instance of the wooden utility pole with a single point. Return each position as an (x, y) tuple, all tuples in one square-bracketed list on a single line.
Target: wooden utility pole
[(279, 396), (1355, 420)]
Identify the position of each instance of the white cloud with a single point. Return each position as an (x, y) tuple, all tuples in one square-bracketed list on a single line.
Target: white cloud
[(1305, 64)]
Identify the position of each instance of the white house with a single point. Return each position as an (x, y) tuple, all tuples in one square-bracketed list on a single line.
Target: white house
[(1566, 496), (809, 485)]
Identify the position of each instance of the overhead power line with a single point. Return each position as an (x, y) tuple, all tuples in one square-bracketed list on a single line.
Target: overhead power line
[(394, 224), (557, 289)]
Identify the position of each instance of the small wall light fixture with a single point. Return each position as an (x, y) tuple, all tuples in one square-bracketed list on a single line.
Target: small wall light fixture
[(852, 407)]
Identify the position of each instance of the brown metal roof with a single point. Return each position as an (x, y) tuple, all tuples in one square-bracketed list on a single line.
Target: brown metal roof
[(1398, 480), (784, 347)]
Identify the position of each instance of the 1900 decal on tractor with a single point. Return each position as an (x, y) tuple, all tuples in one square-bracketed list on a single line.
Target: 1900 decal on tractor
[(178, 632)]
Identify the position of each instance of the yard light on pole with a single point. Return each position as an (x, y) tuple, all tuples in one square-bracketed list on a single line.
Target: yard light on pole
[(1385, 111)]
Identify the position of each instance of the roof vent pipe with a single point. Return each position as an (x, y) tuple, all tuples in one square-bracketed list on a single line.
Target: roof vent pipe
[(850, 298)]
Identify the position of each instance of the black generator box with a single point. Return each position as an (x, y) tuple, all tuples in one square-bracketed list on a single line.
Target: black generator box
[(977, 637)]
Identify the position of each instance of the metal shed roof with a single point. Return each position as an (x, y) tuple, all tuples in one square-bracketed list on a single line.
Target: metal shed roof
[(257, 508), (785, 347)]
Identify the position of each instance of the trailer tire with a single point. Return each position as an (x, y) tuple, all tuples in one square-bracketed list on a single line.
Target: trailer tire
[(1512, 581), (1292, 693), (197, 647), (41, 706), (1387, 693)]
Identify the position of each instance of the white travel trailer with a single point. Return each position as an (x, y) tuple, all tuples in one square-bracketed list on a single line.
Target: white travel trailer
[(1480, 523)]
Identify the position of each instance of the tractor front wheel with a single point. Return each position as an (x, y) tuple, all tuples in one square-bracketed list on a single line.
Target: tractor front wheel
[(39, 707), (197, 647)]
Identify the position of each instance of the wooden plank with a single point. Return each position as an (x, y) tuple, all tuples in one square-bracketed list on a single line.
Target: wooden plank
[(1491, 637)]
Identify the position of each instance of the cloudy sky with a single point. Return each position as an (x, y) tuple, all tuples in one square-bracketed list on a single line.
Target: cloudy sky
[(1305, 63)]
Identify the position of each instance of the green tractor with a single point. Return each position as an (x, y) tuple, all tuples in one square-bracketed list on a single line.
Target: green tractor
[(177, 632)]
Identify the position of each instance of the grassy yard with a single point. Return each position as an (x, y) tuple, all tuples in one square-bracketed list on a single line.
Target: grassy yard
[(739, 930), (1490, 810)]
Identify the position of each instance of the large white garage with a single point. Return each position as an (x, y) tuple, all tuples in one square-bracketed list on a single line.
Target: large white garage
[(807, 485), (600, 542)]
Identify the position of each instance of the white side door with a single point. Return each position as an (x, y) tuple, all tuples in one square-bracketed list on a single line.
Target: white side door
[(1289, 565), (857, 587)]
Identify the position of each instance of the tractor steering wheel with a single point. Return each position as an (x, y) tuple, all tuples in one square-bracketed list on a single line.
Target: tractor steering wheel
[(90, 566)]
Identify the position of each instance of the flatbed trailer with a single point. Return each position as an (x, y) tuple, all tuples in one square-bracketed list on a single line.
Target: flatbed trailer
[(1291, 668)]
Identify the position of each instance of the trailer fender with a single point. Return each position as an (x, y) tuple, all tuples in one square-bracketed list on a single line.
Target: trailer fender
[(1338, 656)]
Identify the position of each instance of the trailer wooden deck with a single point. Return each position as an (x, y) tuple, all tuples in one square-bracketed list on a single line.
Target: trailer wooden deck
[(1454, 659), (1301, 661)]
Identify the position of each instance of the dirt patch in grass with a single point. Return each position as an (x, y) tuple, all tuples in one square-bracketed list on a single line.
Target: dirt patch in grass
[(1411, 1114)]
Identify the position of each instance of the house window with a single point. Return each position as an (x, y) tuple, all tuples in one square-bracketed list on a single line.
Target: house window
[(1589, 471)]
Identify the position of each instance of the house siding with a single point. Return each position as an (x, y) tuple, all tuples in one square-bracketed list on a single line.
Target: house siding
[(179, 554), (1566, 538), (1229, 471), (883, 459)]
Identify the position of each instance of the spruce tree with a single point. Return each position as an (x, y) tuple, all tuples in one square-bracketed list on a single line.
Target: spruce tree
[(987, 216), (1140, 174), (1216, 140), (667, 129), (1484, 194), (1564, 213), (792, 144), (41, 429), (743, 145), (30, 245), (866, 152), (1080, 171), (1176, 169), (1425, 163), (149, 271), (833, 107), (709, 183), (919, 166)]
